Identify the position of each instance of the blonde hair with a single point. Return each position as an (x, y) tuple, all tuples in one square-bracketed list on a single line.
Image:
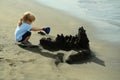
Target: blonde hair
[(27, 16)]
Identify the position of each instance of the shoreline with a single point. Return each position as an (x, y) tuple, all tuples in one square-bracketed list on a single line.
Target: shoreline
[(90, 27), (22, 64), (105, 32)]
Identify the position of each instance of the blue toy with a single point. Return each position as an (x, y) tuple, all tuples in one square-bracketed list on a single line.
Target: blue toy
[(47, 30)]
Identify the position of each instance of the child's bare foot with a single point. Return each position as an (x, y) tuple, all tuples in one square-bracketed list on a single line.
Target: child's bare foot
[(26, 43)]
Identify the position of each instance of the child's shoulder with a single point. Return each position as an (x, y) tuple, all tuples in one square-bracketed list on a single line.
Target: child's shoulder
[(25, 24)]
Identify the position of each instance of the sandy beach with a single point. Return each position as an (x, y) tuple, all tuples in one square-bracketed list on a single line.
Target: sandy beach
[(18, 63)]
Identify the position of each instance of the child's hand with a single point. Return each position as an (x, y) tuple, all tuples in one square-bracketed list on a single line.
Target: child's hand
[(43, 28)]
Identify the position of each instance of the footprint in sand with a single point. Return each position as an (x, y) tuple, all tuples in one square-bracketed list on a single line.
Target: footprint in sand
[(13, 63), (26, 61), (1, 47)]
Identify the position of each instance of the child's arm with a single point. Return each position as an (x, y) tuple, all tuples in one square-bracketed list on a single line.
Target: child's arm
[(36, 29)]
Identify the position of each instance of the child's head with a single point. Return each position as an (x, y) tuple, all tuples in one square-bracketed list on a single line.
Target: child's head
[(28, 17)]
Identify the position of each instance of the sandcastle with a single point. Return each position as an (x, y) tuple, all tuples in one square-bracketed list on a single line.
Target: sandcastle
[(79, 43)]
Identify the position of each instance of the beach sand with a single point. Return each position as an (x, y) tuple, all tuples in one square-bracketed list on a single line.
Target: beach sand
[(18, 63)]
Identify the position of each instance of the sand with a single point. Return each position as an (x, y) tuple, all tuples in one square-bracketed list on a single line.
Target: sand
[(18, 63)]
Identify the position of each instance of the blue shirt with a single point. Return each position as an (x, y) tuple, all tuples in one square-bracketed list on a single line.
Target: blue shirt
[(21, 30)]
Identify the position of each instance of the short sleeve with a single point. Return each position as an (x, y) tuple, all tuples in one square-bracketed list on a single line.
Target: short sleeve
[(28, 27)]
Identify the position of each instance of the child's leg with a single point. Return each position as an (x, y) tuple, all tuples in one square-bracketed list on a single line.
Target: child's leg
[(26, 36)]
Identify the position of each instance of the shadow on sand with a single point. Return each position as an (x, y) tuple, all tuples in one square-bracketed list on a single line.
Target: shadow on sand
[(37, 50), (94, 59), (59, 57)]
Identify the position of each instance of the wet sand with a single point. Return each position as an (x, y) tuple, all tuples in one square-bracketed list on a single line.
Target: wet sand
[(18, 63)]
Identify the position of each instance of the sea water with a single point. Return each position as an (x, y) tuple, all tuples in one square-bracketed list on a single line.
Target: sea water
[(103, 14)]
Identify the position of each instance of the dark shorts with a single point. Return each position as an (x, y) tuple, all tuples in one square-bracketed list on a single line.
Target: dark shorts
[(27, 34)]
